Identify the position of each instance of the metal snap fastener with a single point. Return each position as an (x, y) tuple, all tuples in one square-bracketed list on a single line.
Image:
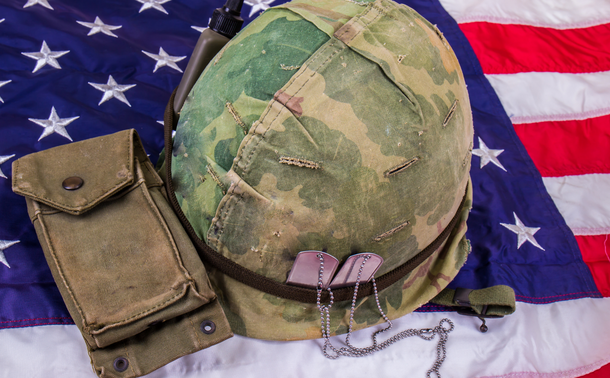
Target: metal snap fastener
[(120, 364), (208, 327), (72, 183)]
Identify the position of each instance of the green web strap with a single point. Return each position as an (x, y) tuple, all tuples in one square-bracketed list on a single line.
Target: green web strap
[(491, 302)]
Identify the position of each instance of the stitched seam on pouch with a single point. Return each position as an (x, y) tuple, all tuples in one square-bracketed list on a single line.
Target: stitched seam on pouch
[(125, 192), (141, 314), (178, 261), (61, 273), (159, 217), (199, 343), (130, 365), (157, 180), (64, 207), (39, 213)]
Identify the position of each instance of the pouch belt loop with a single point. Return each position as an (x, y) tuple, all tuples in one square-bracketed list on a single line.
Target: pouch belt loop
[(491, 302)]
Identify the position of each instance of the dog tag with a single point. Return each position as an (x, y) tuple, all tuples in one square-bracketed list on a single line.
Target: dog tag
[(306, 269), (348, 274)]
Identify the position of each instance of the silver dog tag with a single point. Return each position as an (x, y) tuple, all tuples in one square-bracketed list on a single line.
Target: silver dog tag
[(348, 274), (306, 269)]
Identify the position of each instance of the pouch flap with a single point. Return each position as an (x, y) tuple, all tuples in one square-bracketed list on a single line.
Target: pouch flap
[(92, 175)]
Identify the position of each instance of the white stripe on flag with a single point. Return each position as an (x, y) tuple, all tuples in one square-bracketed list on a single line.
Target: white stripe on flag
[(565, 14), (59, 351), (549, 96), (582, 201)]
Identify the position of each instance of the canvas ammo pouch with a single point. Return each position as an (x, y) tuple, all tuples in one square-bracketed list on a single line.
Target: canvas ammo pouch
[(125, 267)]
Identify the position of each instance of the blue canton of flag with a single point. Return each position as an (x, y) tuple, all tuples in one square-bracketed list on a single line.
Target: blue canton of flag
[(72, 70)]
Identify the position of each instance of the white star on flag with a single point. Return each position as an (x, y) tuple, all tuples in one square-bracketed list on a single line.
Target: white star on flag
[(4, 244), (2, 20), (523, 233), (488, 155), (163, 123), (155, 4), (99, 26), (1, 84), (54, 125), (4, 159), (44, 3), (258, 5), (112, 89), (164, 59), (200, 29), (45, 56)]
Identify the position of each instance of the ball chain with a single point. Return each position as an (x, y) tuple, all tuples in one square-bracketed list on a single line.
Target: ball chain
[(442, 330)]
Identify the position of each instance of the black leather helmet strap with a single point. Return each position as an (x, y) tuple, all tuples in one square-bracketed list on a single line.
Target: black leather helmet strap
[(270, 286)]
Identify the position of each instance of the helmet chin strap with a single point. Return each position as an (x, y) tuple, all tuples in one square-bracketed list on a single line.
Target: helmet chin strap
[(442, 330)]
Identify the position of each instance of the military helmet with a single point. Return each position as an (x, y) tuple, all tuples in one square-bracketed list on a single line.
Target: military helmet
[(327, 125)]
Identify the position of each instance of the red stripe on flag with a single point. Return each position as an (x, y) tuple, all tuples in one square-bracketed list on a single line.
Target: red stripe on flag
[(595, 251), (504, 49), (604, 372), (567, 148)]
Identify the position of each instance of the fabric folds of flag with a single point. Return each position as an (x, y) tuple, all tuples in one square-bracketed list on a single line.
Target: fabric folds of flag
[(552, 74), (551, 70), (538, 75)]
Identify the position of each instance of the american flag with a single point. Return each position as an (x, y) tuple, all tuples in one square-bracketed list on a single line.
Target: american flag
[(538, 74)]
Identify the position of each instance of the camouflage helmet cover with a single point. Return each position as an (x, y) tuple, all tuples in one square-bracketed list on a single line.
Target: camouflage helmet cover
[(334, 125)]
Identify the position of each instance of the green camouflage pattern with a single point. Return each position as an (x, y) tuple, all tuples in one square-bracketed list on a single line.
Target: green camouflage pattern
[(334, 125)]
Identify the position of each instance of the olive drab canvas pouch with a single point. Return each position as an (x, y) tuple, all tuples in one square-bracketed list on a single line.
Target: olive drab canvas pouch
[(126, 269)]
